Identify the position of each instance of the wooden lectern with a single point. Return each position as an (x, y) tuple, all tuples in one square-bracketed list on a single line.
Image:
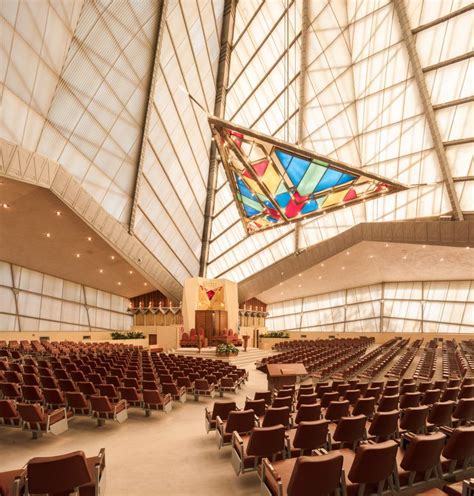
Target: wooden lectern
[(284, 374)]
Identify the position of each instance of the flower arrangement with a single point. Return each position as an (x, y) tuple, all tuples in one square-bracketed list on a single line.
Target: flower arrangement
[(275, 334), (226, 349), (127, 335)]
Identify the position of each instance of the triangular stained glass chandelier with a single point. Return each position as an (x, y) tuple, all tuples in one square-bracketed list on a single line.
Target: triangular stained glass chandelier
[(276, 183)]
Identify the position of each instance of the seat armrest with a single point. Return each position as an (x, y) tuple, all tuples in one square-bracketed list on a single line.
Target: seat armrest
[(446, 430), (238, 443), (121, 405), (56, 415), (269, 472), (220, 425), (207, 414)]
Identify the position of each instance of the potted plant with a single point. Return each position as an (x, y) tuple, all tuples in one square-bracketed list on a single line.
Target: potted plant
[(226, 350), (276, 334)]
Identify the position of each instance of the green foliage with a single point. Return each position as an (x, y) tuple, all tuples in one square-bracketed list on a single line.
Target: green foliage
[(276, 334), (128, 335), (226, 349)]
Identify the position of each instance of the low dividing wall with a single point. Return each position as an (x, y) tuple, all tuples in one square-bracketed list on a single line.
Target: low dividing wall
[(380, 337)]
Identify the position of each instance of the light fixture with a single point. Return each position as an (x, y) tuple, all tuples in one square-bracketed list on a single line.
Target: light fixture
[(282, 273), (424, 246), (441, 259), (119, 283), (145, 284), (101, 271), (320, 277), (348, 252), (282, 293), (48, 235), (404, 257), (467, 247), (371, 256), (130, 271), (112, 257), (78, 255), (386, 245), (343, 268), (5, 205), (281, 284), (299, 285), (89, 238), (300, 274), (322, 265), (58, 213)]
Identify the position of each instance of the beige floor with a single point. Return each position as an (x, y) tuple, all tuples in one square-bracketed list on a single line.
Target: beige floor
[(163, 455)]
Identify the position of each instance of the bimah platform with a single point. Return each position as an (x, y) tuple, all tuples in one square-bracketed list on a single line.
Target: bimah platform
[(284, 374)]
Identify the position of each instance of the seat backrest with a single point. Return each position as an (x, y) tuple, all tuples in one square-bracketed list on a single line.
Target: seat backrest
[(31, 412), (431, 396), (464, 409), (58, 474), (263, 395), (411, 399), (201, 385), (460, 445), (152, 396), (373, 462), (240, 421), (350, 429), (307, 399), (311, 435), (364, 406), (101, 404), (266, 441), (414, 418), (388, 403), (441, 412), (275, 416), (258, 406), (384, 423), (308, 413), (337, 409), (423, 452), (76, 400), (328, 398), (223, 408), (8, 409), (282, 401), (316, 475)]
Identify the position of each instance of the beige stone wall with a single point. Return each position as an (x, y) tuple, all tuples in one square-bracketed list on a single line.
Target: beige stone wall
[(167, 336)]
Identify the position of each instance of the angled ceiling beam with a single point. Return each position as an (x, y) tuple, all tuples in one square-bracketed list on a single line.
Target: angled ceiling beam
[(446, 62), (428, 107), (452, 103), (444, 18), (161, 16), (222, 80)]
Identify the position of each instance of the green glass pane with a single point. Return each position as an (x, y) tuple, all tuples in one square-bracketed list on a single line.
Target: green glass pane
[(252, 203), (310, 179)]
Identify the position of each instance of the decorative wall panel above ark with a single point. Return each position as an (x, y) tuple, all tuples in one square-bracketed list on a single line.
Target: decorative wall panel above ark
[(276, 183)]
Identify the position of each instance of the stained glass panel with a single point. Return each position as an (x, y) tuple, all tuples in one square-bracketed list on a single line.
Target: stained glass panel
[(275, 182)]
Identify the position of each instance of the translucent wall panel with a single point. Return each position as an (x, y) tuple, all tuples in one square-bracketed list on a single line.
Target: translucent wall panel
[(440, 306), (48, 303), (173, 187)]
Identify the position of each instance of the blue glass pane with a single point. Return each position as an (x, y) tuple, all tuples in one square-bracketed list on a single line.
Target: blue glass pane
[(297, 170), (284, 158), (330, 179), (311, 206), (283, 199), (243, 188), (249, 211), (346, 178), (271, 219)]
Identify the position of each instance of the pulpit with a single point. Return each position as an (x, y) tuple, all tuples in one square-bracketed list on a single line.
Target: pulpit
[(284, 374)]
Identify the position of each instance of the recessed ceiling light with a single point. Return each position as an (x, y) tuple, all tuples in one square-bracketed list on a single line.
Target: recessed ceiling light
[(441, 259), (282, 273), (5, 205), (371, 256), (119, 283), (281, 284), (89, 238), (101, 271), (467, 247), (78, 255), (348, 252), (299, 285), (299, 275), (424, 246), (281, 293), (320, 277), (386, 245), (48, 235), (58, 213), (343, 268), (322, 265), (130, 271), (112, 257), (404, 257), (145, 284)]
